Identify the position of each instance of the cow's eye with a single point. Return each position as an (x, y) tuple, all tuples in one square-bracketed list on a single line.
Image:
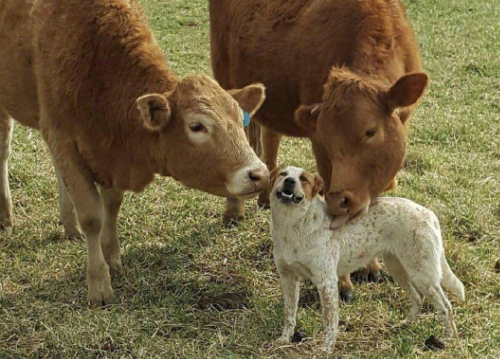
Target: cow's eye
[(197, 127), (283, 174), (371, 132), (303, 179)]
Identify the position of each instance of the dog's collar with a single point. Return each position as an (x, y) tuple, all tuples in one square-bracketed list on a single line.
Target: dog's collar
[(246, 118)]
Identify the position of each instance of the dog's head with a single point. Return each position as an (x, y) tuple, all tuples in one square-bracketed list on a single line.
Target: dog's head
[(294, 186)]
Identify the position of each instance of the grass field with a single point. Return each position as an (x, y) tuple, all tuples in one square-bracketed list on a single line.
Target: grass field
[(179, 260)]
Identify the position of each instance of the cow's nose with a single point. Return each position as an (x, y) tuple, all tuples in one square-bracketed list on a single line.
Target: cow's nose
[(339, 202), (290, 181), (259, 176)]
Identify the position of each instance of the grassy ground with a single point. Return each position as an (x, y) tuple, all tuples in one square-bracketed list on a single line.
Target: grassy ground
[(179, 260)]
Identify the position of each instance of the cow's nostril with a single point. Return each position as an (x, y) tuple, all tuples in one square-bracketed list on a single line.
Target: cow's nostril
[(254, 176), (344, 202)]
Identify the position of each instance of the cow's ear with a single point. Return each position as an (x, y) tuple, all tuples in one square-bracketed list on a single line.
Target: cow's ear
[(407, 90), (250, 98), (306, 116), (319, 184), (274, 174), (154, 111)]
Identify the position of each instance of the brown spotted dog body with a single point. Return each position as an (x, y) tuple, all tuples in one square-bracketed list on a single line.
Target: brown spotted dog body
[(344, 73), (90, 75), (407, 235)]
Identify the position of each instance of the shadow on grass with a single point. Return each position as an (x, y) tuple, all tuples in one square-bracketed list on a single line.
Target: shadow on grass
[(153, 275)]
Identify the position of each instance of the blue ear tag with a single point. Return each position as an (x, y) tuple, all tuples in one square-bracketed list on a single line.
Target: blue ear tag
[(246, 118)]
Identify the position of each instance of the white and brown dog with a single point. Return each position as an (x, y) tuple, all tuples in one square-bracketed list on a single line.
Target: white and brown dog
[(406, 234)]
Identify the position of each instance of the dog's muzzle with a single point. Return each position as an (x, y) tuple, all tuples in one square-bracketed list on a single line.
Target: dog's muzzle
[(287, 193)]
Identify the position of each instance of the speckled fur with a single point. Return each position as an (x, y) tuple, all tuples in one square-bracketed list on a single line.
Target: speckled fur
[(407, 235)]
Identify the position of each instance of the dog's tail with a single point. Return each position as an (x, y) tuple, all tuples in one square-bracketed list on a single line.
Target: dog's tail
[(450, 280)]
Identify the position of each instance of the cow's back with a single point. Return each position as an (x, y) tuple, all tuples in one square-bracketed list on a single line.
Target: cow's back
[(94, 59), (291, 45)]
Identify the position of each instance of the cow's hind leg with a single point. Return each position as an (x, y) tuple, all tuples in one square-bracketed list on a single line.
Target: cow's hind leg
[(67, 213), (90, 212), (110, 243), (6, 124), (270, 147)]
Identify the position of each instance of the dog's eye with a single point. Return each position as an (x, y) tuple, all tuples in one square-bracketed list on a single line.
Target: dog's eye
[(283, 174), (197, 127), (303, 179)]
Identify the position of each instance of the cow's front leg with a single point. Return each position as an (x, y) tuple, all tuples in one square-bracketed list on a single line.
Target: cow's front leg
[(234, 212), (371, 273), (5, 198), (90, 212), (110, 242), (345, 288), (290, 286), (270, 147), (329, 296)]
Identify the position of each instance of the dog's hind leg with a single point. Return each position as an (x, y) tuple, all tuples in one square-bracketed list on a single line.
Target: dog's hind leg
[(437, 296), (290, 285), (398, 273)]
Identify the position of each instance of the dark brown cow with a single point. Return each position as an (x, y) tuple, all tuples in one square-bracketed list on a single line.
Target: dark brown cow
[(344, 73)]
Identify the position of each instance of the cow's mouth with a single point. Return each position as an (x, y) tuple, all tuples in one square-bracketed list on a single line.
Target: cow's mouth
[(288, 197), (248, 195)]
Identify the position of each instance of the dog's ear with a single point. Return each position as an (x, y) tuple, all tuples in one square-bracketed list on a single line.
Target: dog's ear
[(274, 174), (318, 185)]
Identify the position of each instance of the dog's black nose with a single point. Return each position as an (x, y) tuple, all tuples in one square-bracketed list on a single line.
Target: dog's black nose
[(290, 181)]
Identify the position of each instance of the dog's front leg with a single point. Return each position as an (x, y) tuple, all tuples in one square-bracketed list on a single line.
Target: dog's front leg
[(329, 296), (290, 285)]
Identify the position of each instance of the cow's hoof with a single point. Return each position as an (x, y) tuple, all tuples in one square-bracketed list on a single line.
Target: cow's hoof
[(264, 205), (6, 229), (99, 285), (497, 266), (74, 236), (347, 296), (231, 220), (367, 276), (115, 266)]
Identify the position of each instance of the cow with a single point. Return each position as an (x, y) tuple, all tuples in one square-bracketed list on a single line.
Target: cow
[(91, 77), (346, 74)]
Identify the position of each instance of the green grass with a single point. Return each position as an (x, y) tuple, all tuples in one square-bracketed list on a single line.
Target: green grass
[(178, 258)]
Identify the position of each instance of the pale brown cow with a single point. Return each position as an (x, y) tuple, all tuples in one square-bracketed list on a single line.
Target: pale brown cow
[(90, 75), (344, 73)]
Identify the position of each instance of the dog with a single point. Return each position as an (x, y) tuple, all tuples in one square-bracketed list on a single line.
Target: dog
[(407, 235)]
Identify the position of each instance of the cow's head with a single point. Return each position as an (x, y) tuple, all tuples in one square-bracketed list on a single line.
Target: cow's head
[(359, 136), (203, 143)]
